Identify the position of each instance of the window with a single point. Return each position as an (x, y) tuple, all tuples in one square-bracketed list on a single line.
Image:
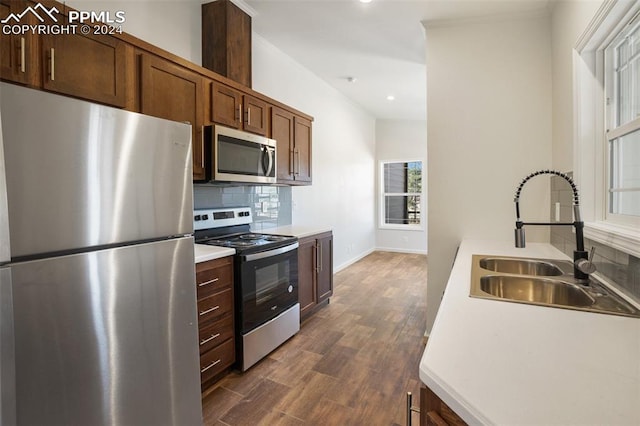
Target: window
[(622, 82), (401, 203), (606, 67)]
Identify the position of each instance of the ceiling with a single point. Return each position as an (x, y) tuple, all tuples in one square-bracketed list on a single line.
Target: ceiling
[(380, 45)]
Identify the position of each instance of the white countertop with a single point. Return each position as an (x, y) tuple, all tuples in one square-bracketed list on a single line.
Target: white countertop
[(204, 252), (296, 230), (504, 363)]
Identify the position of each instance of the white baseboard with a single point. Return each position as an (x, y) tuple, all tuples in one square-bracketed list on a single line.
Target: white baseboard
[(353, 260), (400, 250)]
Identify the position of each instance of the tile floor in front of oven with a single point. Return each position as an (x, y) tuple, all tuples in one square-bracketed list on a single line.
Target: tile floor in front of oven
[(352, 363)]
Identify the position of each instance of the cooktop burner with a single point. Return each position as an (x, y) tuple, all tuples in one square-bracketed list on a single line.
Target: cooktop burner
[(231, 228)]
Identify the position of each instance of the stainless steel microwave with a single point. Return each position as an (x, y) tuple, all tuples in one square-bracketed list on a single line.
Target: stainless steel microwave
[(242, 157)]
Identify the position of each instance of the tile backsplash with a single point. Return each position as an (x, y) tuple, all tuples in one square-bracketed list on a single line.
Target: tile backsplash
[(621, 268), (271, 205)]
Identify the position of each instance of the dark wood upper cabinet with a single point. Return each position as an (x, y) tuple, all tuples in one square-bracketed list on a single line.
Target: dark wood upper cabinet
[(18, 53), (226, 41), (293, 135), (226, 105), (282, 132), (235, 109), (170, 91), (302, 150), (91, 67)]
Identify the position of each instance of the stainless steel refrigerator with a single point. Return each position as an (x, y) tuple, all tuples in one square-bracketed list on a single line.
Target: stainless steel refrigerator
[(97, 289)]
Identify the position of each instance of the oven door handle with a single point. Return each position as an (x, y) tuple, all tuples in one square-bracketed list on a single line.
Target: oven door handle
[(270, 253)]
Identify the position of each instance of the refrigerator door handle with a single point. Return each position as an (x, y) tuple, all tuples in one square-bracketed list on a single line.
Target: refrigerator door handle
[(5, 252)]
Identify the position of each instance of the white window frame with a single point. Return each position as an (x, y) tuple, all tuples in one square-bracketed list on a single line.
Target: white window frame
[(381, 203), (591, 156)]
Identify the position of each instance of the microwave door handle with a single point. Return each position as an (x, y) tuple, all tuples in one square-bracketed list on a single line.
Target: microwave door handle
[(271, 153), (265, 166)]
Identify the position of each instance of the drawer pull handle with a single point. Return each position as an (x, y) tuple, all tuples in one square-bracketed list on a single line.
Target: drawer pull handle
[(209, 282), (209, 310), (210, 365), (213, 336)]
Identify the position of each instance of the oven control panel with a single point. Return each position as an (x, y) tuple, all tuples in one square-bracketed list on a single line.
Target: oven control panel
[(218, 218)]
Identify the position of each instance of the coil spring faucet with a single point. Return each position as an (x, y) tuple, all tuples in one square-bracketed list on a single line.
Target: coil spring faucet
[(582, 266)]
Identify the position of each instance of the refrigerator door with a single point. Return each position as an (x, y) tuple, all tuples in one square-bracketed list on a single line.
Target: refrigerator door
[(7, 351), (108, 337), (84, 175)]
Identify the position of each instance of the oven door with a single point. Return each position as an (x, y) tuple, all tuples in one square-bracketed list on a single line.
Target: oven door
[(243, 157), (268, 285)]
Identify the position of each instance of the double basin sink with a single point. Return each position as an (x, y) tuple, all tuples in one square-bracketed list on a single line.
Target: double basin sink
[(543, 282)]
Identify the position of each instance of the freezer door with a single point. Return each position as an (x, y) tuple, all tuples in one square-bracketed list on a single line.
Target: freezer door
[(7, 351), (82, 175), (108, 337)]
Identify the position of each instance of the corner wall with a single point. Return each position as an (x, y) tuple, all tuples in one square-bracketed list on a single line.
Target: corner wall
[(488, 125)]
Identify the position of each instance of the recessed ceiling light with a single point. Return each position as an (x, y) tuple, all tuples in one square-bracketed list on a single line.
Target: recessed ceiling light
[(365, 1), (390, 97)]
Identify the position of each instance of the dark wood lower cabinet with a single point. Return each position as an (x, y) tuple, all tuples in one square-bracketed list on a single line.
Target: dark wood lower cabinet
[(214, 280), (315, 272), (434, 412)]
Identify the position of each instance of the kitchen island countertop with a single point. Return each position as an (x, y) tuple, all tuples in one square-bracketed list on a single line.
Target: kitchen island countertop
[(204, 252), (496, 362)]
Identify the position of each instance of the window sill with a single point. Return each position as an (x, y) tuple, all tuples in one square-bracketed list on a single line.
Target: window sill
[(401, 227), (619, 237)]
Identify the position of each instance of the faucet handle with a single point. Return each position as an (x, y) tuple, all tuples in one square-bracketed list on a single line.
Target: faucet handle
[(586, 266)]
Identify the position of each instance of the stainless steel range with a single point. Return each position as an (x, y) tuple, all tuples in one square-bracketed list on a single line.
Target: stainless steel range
[(267, 312)]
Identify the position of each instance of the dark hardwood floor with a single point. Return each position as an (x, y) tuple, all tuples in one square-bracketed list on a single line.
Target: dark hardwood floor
[(352, 363)]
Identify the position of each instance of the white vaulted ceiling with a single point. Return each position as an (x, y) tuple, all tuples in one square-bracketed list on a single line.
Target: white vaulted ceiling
[(380, 44)]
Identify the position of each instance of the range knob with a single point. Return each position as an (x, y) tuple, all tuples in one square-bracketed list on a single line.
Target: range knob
[(290, 288)]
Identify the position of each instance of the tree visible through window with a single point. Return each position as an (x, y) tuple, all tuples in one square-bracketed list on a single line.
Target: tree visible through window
[(402, 191)]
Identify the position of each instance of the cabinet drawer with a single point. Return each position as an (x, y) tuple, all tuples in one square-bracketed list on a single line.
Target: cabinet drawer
[(212, 334), (216, 360), (215, 306), (213, 276)]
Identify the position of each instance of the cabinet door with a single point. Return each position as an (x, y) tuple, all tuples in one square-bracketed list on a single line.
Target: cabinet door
[(307, 275), (18, 56), (169, 91), (255, 115), (325, 267), (226, 105), (302, 150), (85, 66), (282, 132)]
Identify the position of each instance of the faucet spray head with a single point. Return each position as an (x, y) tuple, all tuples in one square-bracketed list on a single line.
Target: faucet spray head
[(519, 234)]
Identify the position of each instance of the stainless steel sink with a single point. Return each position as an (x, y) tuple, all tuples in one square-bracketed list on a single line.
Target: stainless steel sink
[(543, 282), (535, 290), (511, 265)]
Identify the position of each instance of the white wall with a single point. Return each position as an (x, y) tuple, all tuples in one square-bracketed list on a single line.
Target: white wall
[(401, 140), (342, 195), (488, 125)]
